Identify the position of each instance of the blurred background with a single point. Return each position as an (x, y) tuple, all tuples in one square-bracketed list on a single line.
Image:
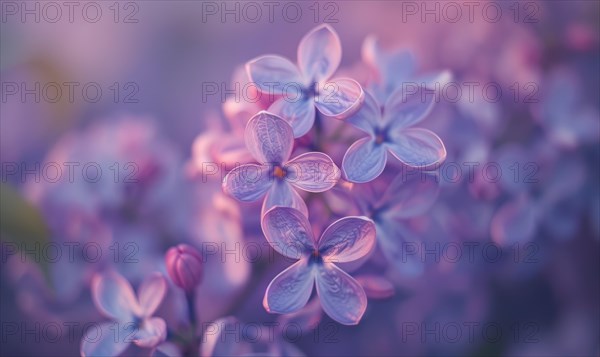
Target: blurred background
[(110, 108)]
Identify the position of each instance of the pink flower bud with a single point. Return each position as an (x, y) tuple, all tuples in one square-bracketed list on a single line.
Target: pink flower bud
[(184, 265)]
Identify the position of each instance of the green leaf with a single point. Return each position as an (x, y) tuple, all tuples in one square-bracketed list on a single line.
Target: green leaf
[(21, 223)]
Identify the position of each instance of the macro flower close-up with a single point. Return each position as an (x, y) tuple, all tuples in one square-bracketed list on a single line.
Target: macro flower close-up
[(300, 178)]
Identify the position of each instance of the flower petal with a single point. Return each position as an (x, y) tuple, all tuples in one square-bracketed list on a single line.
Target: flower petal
[(151, 333), (417, 147), (410, 196), (102, 340), (400, 247), (313, 172), (319, 53), (288, 231), (364, 161), (291, 289), (347, 239), (167, 349), (342, 297), (407, 106), (376, 286), (283, 194), (151, 293), (368, 117), (339, 98), (515, 222), (269, 138), (299, 113), (247, 182), (272, 73), (114, 296)]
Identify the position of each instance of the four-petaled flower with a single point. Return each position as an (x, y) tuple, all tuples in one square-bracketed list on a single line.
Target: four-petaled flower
[(390, 129), (270, 141), (347, 239), (132, 316), (406, 197), (319, 55)]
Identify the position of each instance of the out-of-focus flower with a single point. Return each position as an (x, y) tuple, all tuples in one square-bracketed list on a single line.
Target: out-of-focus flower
[(132, 315), (390, 128), (184, 265), (392, 69), (306, 86), (288, 231), (407, 196), (270, 140)]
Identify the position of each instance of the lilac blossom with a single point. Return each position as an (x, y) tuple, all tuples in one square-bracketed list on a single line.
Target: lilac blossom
[(408, 195), (270, 141), (391, 128), (131, 315), (350, 238), (319, 55)]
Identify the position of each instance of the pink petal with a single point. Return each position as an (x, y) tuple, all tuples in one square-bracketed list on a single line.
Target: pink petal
[(114, 296), (339, 98), (417, 147), (347, 239), (364, 161), (288, 231), (376, 287), (407, 106), (247, 182), (104, 340), (151, 293), (342, 297), (291, 289), (313, 172), (272, 73), (319, 53), (299, 113), (269, 138), (151, 333), (283, 194)]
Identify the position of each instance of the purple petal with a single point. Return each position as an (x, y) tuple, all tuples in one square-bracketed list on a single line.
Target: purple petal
[(342, 297), (151, 293), (247, 182), (397, 66), (300, 113), (364, 161), (417, 147), (401, 247), (319, 53), (166, 349), (347, 239), (272, 74), (283, 194), (515, 222), (291, 289), (339, 98), (410, 196), (221, 338), (407, 106), (101, 340), (151, 333), (368, 117), (288, 231), (114, 296), (313, 172), (269, 138), (375, 286)]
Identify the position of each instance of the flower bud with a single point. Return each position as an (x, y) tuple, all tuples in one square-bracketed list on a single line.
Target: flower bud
[(184, 265)]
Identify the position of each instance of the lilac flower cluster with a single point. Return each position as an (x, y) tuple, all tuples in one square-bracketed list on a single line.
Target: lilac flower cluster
[(335, 201)]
